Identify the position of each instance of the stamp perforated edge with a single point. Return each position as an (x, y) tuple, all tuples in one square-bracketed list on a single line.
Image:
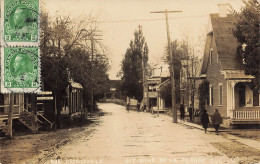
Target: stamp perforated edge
[(19, 44), (19, 90)]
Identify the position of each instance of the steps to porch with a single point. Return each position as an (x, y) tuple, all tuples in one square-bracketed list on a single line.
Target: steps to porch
[(26, 119)]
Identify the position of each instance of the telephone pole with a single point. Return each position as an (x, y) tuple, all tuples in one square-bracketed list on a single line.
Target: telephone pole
[(145, 84), (92, 39), (174, 109)]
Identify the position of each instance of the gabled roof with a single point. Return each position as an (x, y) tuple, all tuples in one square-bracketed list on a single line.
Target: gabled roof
[(206, 54), (226, 43)]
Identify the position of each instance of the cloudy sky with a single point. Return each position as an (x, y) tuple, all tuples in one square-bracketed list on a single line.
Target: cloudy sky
[(120, 18)]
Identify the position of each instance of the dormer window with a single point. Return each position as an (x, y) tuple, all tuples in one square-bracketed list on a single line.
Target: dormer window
[(210, 55)]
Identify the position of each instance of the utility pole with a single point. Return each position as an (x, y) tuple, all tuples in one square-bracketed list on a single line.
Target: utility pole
[(174, 109), (92, 39), (145, 85)]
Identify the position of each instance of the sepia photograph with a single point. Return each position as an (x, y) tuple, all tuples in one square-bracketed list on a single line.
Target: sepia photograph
[(130, 82)]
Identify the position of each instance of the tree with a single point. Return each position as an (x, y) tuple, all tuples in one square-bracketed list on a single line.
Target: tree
[(179, 50), (65, 49), (246, 31), (131, 66), (165, 93)]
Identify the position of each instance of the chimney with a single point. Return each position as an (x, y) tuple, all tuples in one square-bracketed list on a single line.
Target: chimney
[(223, 9)]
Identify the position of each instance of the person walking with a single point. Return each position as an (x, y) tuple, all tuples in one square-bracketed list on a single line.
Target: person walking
[(216, 119), (204, 120), (190, 112), (182, 111), (128, 107), (138, 106)]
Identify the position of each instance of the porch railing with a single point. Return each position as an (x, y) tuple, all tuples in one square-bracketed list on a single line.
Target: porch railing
[(246, 115)]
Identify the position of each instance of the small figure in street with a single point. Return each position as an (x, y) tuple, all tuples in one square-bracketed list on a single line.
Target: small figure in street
[(190, 113), (138, 106), (216, 119), (144, 107), (182, 111), (128, 107), (204, 120)]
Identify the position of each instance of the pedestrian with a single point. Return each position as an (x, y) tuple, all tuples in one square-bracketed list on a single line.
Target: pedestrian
[(190, 112), (144, 107), (182, 111), (204, 120), (216, 119), (128, 107), (138, 106)]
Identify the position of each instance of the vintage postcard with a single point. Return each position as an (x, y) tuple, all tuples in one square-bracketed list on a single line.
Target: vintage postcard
[(130, 82)]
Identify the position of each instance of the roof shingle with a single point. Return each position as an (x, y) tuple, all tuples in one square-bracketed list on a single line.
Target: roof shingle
[(226, 43)]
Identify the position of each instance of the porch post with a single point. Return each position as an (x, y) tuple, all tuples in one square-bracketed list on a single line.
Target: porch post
[(233, 95), (228, 100)]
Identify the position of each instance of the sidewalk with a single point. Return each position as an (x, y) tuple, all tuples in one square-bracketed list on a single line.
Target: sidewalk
[(248, 142)]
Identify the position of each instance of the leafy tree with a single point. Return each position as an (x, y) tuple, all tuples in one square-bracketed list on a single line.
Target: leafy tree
[(64, 49), (247, 33), (179, 50), (165, 93), (131, 66)]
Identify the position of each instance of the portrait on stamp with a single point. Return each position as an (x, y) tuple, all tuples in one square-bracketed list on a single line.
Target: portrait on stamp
[(21, 20), (21, 67)]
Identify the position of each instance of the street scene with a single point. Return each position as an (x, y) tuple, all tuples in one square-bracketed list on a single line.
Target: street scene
[(114, 82)]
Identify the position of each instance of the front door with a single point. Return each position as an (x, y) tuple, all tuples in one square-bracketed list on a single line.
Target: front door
[(242, 97)]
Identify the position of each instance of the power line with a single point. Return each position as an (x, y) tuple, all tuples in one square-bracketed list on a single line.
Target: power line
[(154, 19)]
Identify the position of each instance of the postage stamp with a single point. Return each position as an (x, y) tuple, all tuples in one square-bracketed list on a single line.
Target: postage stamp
[(20, 69), (20, 19)]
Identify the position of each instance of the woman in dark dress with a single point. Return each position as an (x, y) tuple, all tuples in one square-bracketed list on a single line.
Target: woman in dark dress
[(182, 111), (204, 120)]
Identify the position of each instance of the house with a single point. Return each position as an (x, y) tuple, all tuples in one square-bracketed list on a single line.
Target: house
[(114, 90), (229, 87), (159, 75), (23, 111)]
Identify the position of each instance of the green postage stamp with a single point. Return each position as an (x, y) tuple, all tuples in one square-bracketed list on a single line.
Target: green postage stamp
[(20, 19), (20, 69)]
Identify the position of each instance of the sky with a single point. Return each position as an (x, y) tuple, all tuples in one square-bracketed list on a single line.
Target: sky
[(118, 19)]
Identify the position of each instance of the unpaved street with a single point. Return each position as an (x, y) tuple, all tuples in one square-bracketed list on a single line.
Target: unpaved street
[(133, 137)]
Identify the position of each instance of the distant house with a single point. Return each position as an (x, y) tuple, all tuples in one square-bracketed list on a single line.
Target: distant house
[(159, 75), (229, 89), (114, 90)]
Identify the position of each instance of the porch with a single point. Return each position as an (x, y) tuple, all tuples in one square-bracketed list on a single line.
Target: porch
[(242, 103), (246, 115)]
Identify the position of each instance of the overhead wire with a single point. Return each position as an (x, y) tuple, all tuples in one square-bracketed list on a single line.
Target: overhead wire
[(153, 19)]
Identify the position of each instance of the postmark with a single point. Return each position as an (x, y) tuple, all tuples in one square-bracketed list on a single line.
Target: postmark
[(20, 20), (20, 69)]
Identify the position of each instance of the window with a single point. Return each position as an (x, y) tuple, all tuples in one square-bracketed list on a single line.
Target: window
[(210, 56), (210, 95), (220, 95)]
